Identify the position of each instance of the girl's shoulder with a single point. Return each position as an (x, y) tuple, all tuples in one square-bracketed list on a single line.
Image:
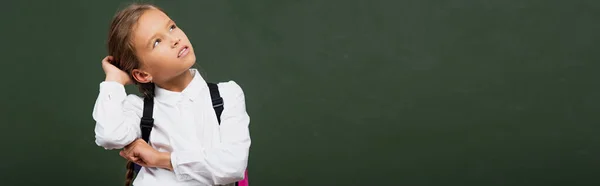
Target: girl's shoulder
[(134, 102)]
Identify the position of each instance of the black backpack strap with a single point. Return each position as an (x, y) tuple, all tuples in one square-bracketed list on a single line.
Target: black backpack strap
[(217, 100), (146, 124)]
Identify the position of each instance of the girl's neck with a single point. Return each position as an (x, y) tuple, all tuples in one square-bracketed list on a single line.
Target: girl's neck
[(178, 83)]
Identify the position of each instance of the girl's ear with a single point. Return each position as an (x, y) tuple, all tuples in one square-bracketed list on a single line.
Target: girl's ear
[(141, 76)]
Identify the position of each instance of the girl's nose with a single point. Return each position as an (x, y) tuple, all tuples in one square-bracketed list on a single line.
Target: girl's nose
[(175, 41)]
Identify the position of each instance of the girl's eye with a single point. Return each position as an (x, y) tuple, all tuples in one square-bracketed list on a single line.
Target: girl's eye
[(172, 27), (156, 42)]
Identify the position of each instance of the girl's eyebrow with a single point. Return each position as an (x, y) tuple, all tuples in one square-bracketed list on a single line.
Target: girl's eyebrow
[(155, 34)]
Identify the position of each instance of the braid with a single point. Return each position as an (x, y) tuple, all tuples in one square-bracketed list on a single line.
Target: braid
[(147, 89), (129, 174)]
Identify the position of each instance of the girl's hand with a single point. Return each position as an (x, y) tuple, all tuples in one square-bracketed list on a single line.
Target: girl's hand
[(143, 154), (113, 73)]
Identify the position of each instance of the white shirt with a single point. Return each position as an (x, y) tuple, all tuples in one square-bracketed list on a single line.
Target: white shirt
[(202, 151)]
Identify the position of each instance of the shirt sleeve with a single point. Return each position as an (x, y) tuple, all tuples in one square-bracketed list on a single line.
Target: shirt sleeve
[(226, 162), (117, 116)]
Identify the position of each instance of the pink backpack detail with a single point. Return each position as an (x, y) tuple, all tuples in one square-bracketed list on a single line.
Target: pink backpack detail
[(244, 182)]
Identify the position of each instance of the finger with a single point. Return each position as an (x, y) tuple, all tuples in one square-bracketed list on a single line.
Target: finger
[(134, 159), (127, 157), (129, 149), (139, 140), (129, 153), (108, 59), (133, 146), (141, 163), (122, 154)]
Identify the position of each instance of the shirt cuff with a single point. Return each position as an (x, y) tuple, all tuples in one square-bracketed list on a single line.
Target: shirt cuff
[(111, 90), (178, 161)]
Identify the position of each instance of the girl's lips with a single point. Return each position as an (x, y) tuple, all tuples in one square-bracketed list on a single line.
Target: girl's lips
[(183, 52)]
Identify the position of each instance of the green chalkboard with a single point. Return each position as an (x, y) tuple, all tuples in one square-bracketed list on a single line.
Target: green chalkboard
[(405, 92)]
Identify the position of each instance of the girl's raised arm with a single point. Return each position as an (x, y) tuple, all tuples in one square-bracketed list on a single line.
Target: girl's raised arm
[(117, 115)]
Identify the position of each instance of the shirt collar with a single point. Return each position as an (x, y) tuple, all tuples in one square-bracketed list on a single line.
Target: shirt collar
[(191, 92)]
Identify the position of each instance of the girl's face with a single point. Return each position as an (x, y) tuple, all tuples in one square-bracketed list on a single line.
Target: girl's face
[(163, 49)]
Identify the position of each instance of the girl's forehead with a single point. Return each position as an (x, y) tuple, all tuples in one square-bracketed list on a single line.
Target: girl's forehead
[(153, 15), (152, 19), (151, 22)]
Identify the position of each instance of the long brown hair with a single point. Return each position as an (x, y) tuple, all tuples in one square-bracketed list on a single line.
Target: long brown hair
[(120, 46)]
